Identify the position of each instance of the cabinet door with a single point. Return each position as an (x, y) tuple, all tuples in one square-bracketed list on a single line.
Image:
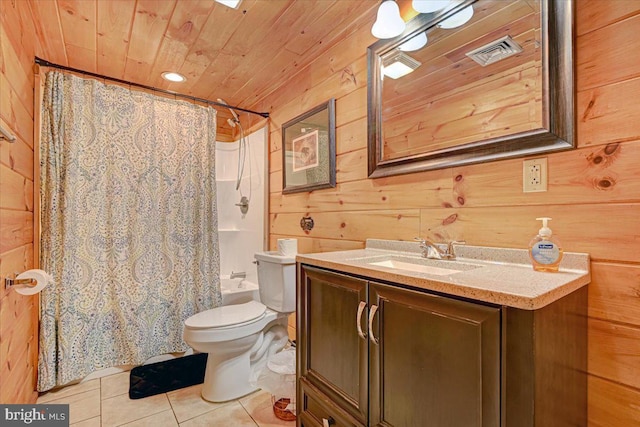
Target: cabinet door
[(332, 355), (434, 361)]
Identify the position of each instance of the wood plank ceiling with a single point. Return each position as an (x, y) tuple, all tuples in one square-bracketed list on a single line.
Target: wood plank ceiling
[(240, 55)]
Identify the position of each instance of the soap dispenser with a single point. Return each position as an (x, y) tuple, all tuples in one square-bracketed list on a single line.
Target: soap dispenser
[(545, 250)]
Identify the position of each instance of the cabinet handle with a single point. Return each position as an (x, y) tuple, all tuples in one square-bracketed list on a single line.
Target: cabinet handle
[(326, 422), (361, 308), (372, 313)]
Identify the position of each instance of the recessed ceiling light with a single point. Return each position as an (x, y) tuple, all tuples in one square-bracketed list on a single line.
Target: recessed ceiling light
[(173, 77), (398, 64), (230, 3)]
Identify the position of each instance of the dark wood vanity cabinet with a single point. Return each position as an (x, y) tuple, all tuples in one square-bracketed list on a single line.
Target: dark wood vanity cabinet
[(383, 355), (376, 354)]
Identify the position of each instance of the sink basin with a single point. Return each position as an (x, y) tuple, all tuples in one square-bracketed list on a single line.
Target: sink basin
[(422, 265)]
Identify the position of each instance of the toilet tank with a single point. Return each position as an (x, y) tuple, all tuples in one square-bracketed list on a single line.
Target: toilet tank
[(277, 281)]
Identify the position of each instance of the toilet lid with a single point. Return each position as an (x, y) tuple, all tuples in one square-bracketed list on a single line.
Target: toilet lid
[(226, 315)]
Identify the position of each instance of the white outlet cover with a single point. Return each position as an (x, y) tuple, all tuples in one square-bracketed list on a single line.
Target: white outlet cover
[(534, 175)]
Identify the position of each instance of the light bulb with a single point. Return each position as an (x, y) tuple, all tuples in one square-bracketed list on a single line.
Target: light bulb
[(389, 23), (458, 19), (429, 6)]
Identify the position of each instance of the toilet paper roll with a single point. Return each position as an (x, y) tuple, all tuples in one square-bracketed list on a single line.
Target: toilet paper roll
[(287, 247), (41, 277)]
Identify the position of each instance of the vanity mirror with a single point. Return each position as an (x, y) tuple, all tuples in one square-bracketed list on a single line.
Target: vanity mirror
[(494, 80)]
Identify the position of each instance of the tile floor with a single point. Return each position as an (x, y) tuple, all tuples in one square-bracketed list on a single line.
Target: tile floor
[(104, 402)]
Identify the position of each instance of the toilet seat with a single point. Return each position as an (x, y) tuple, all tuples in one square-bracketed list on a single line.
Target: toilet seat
[(195, 336), (227, 316)]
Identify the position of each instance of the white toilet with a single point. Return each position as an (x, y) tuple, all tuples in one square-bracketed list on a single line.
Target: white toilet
[(239, 338)]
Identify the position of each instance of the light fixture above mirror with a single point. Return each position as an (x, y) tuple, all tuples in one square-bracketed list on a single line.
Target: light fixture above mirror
[(414, 43), (389, 23), (458, 19)]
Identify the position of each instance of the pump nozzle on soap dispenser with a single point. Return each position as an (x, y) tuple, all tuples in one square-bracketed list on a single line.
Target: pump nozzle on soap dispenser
[(545, 230), (545, 251)]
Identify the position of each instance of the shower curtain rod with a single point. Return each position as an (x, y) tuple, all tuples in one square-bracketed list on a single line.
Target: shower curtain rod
[(45, 63)]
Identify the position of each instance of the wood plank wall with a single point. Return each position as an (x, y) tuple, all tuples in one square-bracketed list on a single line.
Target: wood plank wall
[(18, 314), (594, 192), (593, 196), (453, 118)]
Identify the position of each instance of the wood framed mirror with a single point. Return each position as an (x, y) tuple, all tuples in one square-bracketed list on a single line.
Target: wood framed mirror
[(454, 109)]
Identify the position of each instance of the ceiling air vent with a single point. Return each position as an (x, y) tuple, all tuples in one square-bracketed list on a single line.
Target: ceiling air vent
[(495, 51)]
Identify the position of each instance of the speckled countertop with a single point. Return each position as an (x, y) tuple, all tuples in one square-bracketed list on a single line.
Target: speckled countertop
[(494, 275)]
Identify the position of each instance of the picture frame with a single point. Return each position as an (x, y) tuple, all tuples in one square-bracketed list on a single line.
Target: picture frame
[(309, 150)]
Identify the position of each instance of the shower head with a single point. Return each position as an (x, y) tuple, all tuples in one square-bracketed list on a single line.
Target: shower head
[(235, 116), (231, 122)]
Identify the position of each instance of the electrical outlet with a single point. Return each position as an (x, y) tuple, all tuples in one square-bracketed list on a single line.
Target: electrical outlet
[(534, 175)]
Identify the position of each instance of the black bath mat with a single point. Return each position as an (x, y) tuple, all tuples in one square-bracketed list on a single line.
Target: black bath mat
[(161, 377)]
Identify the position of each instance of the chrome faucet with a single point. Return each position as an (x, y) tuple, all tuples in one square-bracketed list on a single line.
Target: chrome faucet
[(435, 251), (238, 275)]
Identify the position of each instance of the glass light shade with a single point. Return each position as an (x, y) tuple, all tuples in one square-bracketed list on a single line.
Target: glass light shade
[(389, 23), (173, 77), (230, 3), (458, 19), (414, 43), (429, 6)]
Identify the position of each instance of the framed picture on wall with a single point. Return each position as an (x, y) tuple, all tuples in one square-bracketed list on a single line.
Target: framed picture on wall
[(305, 151), (309, 150)]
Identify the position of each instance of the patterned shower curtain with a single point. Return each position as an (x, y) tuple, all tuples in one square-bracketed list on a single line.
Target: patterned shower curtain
[(129, 225)]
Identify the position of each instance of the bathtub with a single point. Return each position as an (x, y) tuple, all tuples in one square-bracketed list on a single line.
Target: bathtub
[(238, 291)]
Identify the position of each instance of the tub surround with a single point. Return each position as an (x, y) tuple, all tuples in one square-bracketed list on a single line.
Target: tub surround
[(241, 235), (502, 276)]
